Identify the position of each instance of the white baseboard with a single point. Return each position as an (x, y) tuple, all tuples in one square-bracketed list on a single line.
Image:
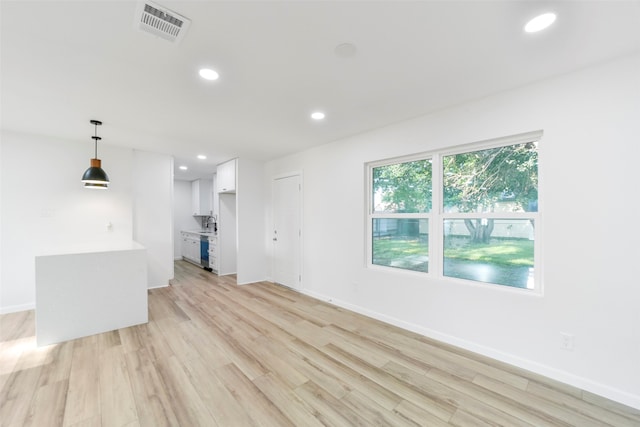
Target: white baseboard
[(16, 308), (582, 383)]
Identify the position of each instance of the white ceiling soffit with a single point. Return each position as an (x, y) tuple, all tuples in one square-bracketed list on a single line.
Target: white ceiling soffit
[(161, 22)]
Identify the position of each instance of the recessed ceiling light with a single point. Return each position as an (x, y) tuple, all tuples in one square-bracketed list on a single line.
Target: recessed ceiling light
[(540, 22), (208, 74), (318, 115), (183, 168), (202, 156)]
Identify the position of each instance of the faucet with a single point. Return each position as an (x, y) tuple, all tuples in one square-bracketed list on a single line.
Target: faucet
[(209, 220)]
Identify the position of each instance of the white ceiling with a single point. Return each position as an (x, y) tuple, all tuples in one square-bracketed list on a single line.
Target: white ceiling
[(64, 63)]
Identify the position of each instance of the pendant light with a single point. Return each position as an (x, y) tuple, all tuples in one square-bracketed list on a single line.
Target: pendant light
[(95, 177)]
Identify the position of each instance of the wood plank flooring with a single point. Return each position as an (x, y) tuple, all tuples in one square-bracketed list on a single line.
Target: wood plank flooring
[(215, 354)]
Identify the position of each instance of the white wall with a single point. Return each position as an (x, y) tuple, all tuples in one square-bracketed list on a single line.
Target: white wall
[(1, 238), (45, 205), (588, 159), (183, 218), (153, 213), (227, 234), (251, 261)]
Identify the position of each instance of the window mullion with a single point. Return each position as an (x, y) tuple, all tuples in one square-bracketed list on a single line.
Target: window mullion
[(489, 215), (435, 225), (400, 215)]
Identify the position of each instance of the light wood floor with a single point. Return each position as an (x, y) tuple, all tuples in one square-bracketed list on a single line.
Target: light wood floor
[(215, 354)]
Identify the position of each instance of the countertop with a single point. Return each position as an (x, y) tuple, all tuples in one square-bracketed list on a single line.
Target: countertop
[(201, 233), (91, 247)]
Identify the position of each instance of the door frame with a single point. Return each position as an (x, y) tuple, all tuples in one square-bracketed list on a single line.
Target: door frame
[(299, 174)]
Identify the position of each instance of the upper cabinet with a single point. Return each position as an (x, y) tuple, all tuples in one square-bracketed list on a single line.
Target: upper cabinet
[(226, 177), (201, 197)]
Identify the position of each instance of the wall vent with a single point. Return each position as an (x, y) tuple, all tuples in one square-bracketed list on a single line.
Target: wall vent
[(161, 22)]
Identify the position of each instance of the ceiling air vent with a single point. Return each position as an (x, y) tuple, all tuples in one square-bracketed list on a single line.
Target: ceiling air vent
[(161, 22)]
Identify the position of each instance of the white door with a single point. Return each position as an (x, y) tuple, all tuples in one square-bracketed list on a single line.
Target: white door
[(287, 234)]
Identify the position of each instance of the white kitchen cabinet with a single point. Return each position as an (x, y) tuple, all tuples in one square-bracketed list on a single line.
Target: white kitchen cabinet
[(195, 254), (184, 246), (201, 197), (213, 253), (226, 177), (191, 247)]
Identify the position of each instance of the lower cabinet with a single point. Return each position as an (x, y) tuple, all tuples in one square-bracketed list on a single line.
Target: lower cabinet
[(213, 253), (191, 247), (195, 250)]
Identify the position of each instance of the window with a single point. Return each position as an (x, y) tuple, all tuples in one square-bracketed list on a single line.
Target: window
[(468, 213), (401, 202)]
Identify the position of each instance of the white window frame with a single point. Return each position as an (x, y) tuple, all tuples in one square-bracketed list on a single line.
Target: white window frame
[(371, 215), (437, 216)]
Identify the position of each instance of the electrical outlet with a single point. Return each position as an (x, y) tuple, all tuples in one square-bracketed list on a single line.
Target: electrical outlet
[(566, 341)]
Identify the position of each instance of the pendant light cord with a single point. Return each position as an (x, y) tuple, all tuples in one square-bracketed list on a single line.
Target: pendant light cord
[(96, 138)]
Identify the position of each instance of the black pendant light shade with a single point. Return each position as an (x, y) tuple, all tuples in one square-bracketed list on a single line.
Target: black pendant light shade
[(95, 177)]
